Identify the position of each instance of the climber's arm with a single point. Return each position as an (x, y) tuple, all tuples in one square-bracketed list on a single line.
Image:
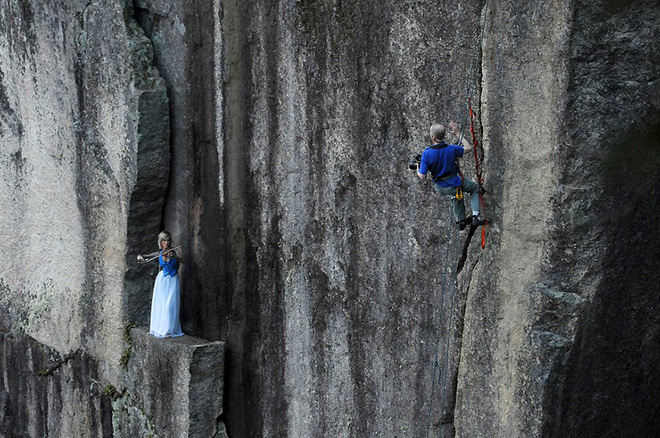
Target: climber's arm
[(467, 147), (422, 167)]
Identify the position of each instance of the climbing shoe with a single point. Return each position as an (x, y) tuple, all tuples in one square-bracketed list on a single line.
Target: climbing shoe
[(464, 223), (477, 221)]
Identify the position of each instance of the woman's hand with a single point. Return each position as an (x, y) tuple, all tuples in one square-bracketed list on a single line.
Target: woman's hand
[(140, 259)]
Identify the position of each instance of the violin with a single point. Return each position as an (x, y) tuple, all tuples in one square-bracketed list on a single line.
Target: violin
[(164, 254)]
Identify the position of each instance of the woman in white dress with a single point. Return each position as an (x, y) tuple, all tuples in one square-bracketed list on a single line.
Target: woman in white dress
[(166, 298)]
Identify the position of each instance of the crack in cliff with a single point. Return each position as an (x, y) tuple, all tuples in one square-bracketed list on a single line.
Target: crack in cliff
[(59, 363), (142, 17), (461, 260), (153, 126), (146, 19), (460, 321)]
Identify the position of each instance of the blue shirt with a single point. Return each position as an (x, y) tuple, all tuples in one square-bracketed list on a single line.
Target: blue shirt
[(441, 162), (169, 268)]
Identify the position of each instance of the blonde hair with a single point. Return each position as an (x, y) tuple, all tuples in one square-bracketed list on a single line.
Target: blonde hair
[(164, 235)]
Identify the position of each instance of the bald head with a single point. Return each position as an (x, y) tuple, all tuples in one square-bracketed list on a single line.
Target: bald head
[(437, 132)]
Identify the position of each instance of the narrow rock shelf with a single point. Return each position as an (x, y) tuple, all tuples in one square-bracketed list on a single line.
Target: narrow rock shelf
[(178, 382)]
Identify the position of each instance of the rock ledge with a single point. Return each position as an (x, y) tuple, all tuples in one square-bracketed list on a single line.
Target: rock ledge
[(178, 382)]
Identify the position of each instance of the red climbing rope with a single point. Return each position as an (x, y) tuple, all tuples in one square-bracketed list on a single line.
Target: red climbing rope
[(475, 142), (480, 180)]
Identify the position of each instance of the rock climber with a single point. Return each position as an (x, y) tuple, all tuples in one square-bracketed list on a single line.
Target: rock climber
[(441, 160)]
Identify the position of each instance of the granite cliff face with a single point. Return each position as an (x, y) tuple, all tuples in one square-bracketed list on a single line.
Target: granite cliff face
[(556, 335), (85, 169), (271, 138), (74, 80)]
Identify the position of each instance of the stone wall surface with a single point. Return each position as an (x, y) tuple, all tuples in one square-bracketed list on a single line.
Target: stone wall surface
[(45, 393), (69, 107), (607, 385), (272, 139), (557, 338), (85, 160), (507, 346), (334, 306), (170, 379)]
